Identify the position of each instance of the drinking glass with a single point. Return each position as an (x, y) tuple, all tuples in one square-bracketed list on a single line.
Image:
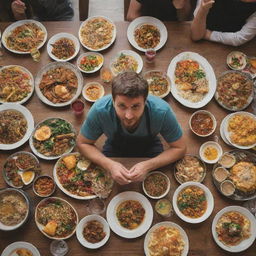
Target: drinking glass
[(77, 107), (150, 55), (96, 206), (58, 248)]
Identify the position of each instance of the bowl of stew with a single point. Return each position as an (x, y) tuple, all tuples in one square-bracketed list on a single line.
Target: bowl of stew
[(156, 185), (193, 202), (44, 186), (202, 123), (93, 91)]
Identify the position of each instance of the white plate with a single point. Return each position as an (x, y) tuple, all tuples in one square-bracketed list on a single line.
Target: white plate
[(104, 47), (55, 176), (41, 227), (213, 144), (151, 21), (245, 243), (135, 55), (167, 224), (222, 134), (227, 133), (58, 36), (86, 54), (114, 223), (80, 228), (210, 76), (30, 122), (31, 144), (8, 251), (209, 198), (31, 82), (54, 65), (10, 28)]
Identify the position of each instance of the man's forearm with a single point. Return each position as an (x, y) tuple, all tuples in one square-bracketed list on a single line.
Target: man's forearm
[(198, 26)]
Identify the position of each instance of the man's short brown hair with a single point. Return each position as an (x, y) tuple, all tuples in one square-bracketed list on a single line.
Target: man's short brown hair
[(129, 84)]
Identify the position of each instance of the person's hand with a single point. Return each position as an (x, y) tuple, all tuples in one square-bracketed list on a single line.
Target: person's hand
[(206, 5), (178, 4), (119, 173), (138, 172), (18, 9)]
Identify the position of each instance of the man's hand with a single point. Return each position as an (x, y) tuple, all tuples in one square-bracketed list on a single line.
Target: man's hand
[(119, 173), (206, 5), (138, 172), (18, 9)]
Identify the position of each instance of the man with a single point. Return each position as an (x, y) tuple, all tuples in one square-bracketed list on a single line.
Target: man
[(230, 22), (131, 120), (165, 10)]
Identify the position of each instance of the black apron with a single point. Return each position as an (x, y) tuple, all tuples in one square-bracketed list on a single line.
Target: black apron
[(125, 145)]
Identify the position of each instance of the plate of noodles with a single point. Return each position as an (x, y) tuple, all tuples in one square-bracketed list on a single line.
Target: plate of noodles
[(16, 125), (147, 32), (23, 36), (16, 84), (97, 33), (193, 79)]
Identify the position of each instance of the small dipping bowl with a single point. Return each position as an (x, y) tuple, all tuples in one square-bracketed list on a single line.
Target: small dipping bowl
[(236, 60), (206, 149), (227, 188), (227, 160), (44, 186), (220, 174), (164, 207)]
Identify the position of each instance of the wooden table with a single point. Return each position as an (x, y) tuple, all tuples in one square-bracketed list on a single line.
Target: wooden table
[(200, 237)]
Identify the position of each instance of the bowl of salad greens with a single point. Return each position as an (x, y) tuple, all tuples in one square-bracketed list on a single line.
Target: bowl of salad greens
[(90, 62)]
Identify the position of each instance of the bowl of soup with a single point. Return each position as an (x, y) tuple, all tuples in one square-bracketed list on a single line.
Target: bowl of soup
[(193, 202)]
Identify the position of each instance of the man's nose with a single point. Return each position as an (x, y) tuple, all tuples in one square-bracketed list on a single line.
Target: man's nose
[(128, 114)]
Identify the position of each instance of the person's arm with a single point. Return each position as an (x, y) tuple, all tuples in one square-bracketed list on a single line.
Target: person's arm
[(176, 150), (134, 10), (183, 9), (198, 26), (19, 10), (247, 32), (87, 148)]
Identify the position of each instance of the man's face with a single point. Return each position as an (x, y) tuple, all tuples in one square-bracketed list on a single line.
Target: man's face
[(129, 110)]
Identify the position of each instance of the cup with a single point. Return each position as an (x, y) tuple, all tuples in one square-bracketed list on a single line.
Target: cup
[(150, 55), (164, 207), (58, 248), (106, 75), (77, 107), (96, 206)]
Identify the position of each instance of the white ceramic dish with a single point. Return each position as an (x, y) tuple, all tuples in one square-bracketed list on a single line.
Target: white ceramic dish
[(44, 176), (151, 21), (168, 185), (135, 55), (245, 243), (80, 228), (211, 116), (222, 134), (209, 198), (11, 27), (104, 47), (210, 76), (31, 82), (30, 123), (167, 224), (87, 54), (57, 37), (98, 85), (44, 156), (210, 144), (238, 55), (10, 249), (114, 223), (54, 65), (40, 226), (26, 198), (227, 133)]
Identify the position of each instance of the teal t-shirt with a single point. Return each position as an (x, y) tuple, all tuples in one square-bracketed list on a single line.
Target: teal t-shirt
[(102, 119)]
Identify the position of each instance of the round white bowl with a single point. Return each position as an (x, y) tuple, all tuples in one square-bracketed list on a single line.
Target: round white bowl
[(209, 198), (87, 54), (237, 54), (212, 144), (168, 185), (80, 228), (203, 112), (95, 84)]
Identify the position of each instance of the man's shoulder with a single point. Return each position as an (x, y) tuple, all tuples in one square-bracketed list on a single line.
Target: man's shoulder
[(104, 104), (156, 104)]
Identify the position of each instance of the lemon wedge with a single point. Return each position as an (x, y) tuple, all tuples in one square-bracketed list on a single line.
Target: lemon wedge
[(43, 133), (27, 177)]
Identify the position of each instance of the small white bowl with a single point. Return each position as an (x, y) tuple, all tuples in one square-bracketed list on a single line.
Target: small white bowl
[(239, 55), (58, 36), (210, 144), (80, 228), (209, 198), (211, 116), (87, 54), (167, 189), (89, 85)]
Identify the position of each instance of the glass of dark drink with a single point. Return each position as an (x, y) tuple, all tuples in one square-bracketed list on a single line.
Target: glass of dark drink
[(150, 55), (77, 107)]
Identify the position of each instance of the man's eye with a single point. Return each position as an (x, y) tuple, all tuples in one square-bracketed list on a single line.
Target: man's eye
[(135, 107), (122, 106)]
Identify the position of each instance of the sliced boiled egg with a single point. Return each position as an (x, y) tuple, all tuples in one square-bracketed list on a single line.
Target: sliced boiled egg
[(27, 176), (83, 164), (43, 133)]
